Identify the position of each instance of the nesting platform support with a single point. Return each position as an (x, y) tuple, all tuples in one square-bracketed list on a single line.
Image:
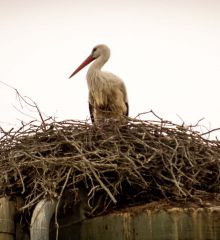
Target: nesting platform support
[(7, 214), (149, 222), (40, 221)]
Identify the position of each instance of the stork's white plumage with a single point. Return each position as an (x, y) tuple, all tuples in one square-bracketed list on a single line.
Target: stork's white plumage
[(107, 92)]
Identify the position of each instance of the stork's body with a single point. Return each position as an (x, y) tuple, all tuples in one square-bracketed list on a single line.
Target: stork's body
[(107, 93)]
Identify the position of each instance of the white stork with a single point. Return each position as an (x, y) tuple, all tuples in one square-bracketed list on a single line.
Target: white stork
[(107, 92)]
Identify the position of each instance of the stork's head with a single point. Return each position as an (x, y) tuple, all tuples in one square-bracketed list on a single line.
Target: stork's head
[(99, 51)]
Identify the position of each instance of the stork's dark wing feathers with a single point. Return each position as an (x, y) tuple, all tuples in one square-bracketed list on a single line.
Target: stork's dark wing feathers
[(127, 112), (91, 109)]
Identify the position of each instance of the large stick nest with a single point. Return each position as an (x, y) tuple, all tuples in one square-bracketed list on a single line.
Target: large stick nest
[(117, 165)]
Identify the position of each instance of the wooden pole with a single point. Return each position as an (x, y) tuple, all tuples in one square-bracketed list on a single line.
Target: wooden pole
[(40, 221), (7, 214)]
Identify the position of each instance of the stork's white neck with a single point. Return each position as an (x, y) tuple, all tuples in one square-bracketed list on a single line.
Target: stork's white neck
[(95, 68)]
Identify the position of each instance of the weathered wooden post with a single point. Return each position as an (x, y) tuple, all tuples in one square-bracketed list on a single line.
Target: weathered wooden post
[(7, 214), (40, 221)]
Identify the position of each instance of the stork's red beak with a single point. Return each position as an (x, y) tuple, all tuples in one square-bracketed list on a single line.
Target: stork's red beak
[(88, 60)]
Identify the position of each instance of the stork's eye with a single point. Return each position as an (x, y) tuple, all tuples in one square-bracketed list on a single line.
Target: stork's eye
[(94, 49)]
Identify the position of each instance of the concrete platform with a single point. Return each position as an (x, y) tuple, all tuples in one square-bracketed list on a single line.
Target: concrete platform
[(140, 223)]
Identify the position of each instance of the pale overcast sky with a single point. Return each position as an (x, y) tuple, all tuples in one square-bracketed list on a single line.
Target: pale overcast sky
[(166, 51)]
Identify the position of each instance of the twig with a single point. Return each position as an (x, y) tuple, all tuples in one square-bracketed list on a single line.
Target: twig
[(58, 202)]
